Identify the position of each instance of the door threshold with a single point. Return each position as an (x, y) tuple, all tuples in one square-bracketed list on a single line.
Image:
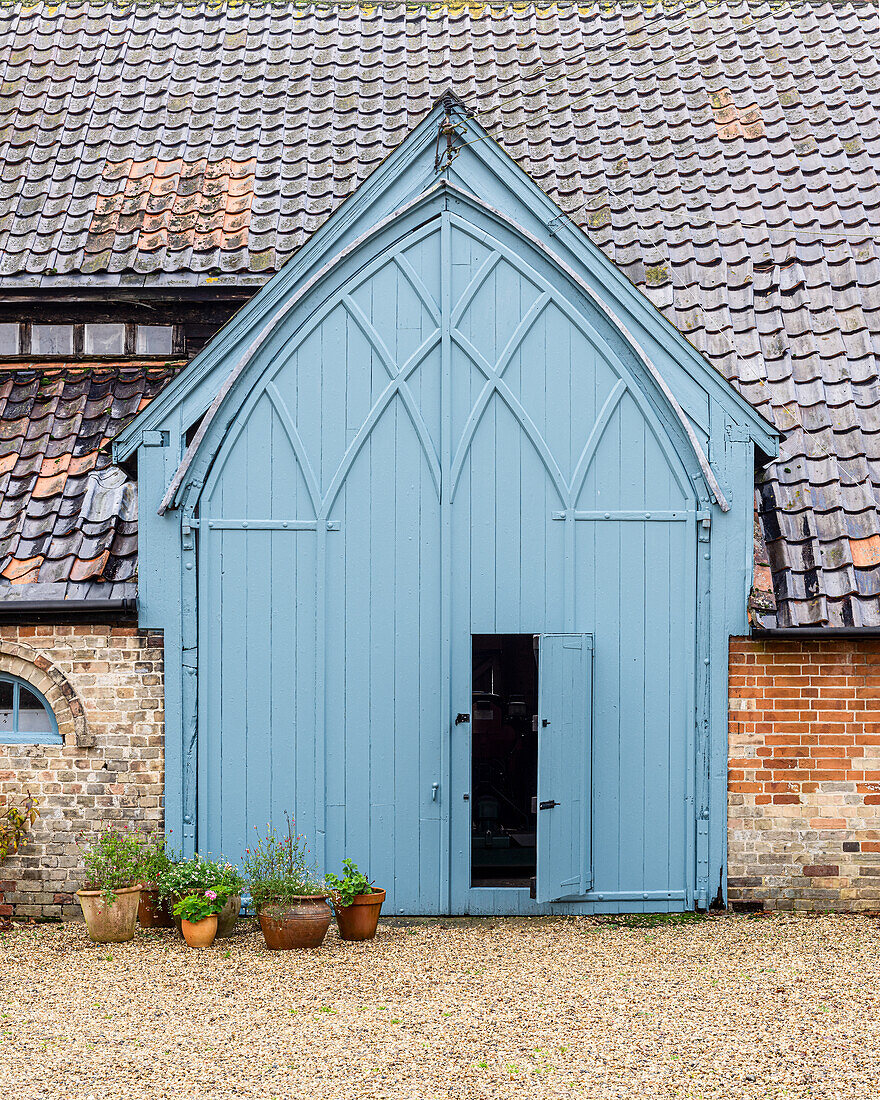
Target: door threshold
[(512, 901)]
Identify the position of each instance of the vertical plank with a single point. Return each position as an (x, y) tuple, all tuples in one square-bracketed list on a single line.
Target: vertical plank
[(433, 813), (384, 638)]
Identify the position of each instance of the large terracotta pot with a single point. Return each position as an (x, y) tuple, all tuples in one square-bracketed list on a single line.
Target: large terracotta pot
[(113, 923), (153, 911), (200, 933), (358, 921), (226, 918), (300, 923)]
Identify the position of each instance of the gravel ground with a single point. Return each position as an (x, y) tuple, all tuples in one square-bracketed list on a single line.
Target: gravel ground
[(638, 1008)]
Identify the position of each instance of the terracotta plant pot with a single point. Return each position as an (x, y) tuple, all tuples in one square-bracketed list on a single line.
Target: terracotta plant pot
[(113, 923), (153, 911), (200, 933), (300, 923), (226, 918), (358, 921)]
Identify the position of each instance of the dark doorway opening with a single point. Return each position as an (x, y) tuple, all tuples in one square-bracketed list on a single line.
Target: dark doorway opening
[(504, 759)]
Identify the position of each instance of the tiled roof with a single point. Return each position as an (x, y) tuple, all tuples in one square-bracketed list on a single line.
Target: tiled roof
[(724, 154), (68, 517)]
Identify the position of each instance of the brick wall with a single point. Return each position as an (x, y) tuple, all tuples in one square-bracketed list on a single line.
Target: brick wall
[(105, 686), (804, 774)]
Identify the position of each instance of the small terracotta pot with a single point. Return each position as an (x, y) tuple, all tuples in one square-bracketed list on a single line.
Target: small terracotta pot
[(113, 923), (153, 911), (300, 923), (200, 933), (359, 920), (226, 918)]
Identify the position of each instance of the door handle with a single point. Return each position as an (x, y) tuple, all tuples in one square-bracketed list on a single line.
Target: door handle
[(547, 805), (435, 787)]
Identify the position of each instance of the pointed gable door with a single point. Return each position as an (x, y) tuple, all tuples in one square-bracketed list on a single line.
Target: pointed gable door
[(444, 441)]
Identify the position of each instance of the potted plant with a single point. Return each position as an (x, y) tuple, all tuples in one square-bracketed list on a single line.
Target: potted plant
[(198, 914), (291, 901), (111, 891), (154, 910), (356, 902), (195, 876)]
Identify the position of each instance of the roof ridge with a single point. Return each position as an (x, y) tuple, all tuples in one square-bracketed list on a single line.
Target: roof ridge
[(474, 7)]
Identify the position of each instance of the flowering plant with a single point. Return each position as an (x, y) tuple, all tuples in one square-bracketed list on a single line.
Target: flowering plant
[(156, 858), (112, 861), (196, 875), (196, 907), (278, 869)]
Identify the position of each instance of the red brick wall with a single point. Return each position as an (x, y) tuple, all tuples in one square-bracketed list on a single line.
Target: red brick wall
[(804, 774)]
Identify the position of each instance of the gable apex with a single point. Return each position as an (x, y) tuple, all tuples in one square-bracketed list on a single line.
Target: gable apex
[(467, 158)]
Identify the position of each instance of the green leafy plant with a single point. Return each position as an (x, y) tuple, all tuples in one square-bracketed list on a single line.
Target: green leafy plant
[(196, 875), (112, 861), (196, 907), (156, 859), (351, 885), (15, 821), (278, 869)]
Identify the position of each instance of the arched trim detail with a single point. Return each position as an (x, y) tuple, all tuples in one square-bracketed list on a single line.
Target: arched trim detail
[(654, 375), (172, 495), (35, 669), (186, 474)]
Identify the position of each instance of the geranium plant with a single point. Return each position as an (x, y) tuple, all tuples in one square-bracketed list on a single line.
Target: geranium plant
[(351, 885), (196, 907), (278, 869), (112, 861)]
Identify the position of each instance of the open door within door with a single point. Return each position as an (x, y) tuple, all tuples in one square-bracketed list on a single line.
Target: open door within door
[(565, 667)]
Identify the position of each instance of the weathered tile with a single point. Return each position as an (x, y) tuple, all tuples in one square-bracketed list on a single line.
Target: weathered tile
[(66, 512)]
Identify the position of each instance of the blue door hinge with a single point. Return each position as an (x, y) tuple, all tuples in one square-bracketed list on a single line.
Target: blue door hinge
[(704, 519)]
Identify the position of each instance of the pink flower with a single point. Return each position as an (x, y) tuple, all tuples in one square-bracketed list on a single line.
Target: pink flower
[(210, 895)]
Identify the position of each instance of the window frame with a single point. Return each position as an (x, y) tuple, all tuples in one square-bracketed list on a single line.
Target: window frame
[(14, 736), (25, 332)]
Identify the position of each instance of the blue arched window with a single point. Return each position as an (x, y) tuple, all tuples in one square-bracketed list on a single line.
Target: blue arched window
[(25, 716)]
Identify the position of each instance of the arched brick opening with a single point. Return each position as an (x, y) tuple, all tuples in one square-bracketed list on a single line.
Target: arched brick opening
[(30, 665)]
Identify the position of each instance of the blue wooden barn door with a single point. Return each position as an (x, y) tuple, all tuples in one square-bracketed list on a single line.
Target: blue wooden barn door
[(565, 753), (446, 442)]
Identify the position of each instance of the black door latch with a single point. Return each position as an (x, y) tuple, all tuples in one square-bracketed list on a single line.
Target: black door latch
[(546, 805), (459, 718)]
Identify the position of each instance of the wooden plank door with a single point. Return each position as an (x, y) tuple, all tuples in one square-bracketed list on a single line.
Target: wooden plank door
[(565, 665), (571, 515), (321, 674)]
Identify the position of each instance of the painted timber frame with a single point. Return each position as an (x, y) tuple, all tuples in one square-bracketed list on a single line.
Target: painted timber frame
[(717, 429)]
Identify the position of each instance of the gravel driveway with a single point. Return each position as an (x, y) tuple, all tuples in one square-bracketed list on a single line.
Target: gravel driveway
[(564, 1007)]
